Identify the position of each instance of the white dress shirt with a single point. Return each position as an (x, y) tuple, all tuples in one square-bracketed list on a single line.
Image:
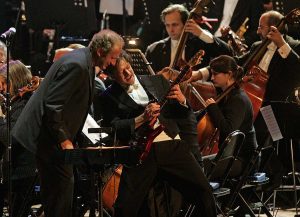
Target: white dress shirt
[(138, 93), (229, 6)]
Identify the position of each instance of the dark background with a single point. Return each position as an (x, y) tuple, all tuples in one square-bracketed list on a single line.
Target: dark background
[(76, 24)]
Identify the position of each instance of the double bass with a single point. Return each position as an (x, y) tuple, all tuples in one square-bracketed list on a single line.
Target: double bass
[(205, 88), (255, 87), (253, 83)]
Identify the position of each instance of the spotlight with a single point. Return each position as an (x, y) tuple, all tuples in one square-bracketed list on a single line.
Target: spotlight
[(131, 42)]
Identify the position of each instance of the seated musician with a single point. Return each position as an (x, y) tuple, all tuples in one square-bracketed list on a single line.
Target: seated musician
[(234, 111), (3, 50), (126, 106), (23, 162)]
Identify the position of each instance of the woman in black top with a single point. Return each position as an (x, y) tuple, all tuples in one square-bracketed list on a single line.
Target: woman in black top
[(23, 167), (233, 112)]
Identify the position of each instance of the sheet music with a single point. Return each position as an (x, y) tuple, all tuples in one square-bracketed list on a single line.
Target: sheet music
[(116, 6), (91, 123), (271, 122)]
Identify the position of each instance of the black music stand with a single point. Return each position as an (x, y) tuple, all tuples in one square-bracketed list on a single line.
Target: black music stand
[(287, 115), (140, 64)]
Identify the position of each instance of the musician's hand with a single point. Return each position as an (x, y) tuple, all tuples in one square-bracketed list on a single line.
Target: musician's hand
[(151, 111), (67, 144), (192, 27), (169, 73), (176, 93), (275, 36), (224, 30), (210, 101), (196, 75)]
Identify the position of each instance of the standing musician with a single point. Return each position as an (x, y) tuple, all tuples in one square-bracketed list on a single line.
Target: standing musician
[(234, 111), (281, 62), (126, 106), (55, 114), (23, 167), (161, 53)]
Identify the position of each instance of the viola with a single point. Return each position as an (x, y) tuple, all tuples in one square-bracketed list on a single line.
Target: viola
[(30, 87)]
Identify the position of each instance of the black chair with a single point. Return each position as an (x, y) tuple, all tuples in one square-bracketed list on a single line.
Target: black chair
[(218, 167)]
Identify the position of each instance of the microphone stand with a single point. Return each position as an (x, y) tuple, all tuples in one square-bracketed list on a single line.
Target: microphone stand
[(8, 123)]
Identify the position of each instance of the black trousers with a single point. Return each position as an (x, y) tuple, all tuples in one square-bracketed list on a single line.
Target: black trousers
[(57, 182), (173, 162)]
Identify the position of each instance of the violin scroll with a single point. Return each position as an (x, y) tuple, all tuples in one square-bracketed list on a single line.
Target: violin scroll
[(30, 87)]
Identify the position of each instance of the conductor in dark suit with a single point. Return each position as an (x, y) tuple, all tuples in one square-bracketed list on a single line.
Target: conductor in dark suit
[(56, 112), (126, 107)]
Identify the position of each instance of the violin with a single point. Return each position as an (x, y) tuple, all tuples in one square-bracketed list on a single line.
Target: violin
[(30, 87)]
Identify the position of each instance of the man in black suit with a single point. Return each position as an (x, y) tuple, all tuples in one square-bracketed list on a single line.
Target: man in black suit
[(161, 53), (281, 61), (233, 13), (56, 112), (126, 107)]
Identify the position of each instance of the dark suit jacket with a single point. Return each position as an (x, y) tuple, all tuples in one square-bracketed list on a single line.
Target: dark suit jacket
[(58, 109), (244, 8), (159, 53), (284, 74)]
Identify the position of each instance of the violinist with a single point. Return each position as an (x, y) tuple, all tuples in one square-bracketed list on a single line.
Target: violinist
[(234, 111), (23, 162)]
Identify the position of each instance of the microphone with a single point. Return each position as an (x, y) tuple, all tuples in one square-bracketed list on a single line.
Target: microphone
[(9, 33)]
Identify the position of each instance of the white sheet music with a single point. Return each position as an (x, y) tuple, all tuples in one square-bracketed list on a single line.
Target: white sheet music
[(271, 122), (91, 123), (116, 6)]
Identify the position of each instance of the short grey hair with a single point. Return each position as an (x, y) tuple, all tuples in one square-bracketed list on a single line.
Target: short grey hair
[(274, 17), (105, 39)]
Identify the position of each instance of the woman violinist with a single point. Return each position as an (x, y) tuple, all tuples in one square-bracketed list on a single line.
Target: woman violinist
[(23, 162), (234, 111)]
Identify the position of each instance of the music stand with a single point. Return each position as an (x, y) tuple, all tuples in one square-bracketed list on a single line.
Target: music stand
[(287, 115), (140, 64)]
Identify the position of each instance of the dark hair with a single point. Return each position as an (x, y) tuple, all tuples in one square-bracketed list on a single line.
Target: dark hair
[(224, 64), (105, 39), (124, 56), (173, 8)]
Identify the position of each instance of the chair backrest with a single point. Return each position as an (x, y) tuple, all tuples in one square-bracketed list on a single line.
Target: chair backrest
[(226, 156)]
